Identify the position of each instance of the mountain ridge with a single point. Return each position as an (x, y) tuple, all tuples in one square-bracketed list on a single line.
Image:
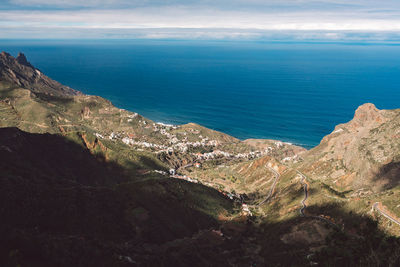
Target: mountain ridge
[(349, 143), (18, 70), (185, 194)]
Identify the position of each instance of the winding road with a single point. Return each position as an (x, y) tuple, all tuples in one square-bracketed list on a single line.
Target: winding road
[(305, 187), (304, 206), (375, 206), (271, 191)]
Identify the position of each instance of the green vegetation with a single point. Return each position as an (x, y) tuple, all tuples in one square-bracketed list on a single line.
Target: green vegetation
[(84, 183), (77, 198), (335, 192)]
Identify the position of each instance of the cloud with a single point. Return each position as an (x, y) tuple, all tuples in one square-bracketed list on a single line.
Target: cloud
[(202, 18), (195, 34), (219, 4), (76, 3), (174, 17)]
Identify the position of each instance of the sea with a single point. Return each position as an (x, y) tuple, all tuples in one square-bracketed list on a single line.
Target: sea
[(294, 92)]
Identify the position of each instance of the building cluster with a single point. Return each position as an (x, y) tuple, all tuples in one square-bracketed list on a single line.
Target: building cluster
[(183, 146), (174, 144), (246, 210), (186, 178), (132, 116), (132, 142), (114, 136), (293, 158), (223, 154), (99, 135)]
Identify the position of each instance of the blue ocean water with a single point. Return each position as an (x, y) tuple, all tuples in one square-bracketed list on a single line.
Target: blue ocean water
[(295, 92)]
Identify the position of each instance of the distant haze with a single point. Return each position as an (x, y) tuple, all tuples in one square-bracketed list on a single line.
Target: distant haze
[(332, 20)]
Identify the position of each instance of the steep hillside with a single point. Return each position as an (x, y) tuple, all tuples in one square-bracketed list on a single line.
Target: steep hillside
[(248, 177), (20, 72), (361, 154), (84, 183), (56, 194), (39, 105)]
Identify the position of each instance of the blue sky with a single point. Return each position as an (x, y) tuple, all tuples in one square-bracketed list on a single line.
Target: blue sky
[(332, 20)]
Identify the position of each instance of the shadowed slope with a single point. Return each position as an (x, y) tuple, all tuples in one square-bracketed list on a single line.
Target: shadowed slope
[(60, 205)]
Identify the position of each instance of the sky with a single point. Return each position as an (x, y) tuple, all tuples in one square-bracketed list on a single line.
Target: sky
[(331, 20)]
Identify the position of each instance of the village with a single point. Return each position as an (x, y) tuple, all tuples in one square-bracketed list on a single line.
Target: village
[(173, 143)]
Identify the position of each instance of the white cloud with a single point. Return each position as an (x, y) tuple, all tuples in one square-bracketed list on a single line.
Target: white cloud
[(173, 17), (202, 18), (219, 4), (70, 3)]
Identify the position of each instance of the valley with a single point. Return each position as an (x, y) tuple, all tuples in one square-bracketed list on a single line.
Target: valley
[(85, 183)]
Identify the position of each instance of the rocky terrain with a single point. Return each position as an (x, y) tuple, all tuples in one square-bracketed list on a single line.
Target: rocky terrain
[(20, 72), (360, 154), (84, 183)]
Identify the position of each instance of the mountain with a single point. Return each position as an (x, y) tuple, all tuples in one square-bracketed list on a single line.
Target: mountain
[(84, 183), (361, 154), (20, 72)]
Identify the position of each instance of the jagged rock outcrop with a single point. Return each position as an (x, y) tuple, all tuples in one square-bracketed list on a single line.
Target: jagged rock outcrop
[(356, 154), (20, 72)]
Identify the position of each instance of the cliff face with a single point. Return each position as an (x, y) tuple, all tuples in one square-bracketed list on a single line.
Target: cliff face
[(356, 153), (20, 72)]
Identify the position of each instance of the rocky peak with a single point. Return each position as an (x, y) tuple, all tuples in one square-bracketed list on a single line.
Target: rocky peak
[(20, 72), (5, 59), (366, 112), (356, 151), (367, 116), (5, 54), (21, 59)]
